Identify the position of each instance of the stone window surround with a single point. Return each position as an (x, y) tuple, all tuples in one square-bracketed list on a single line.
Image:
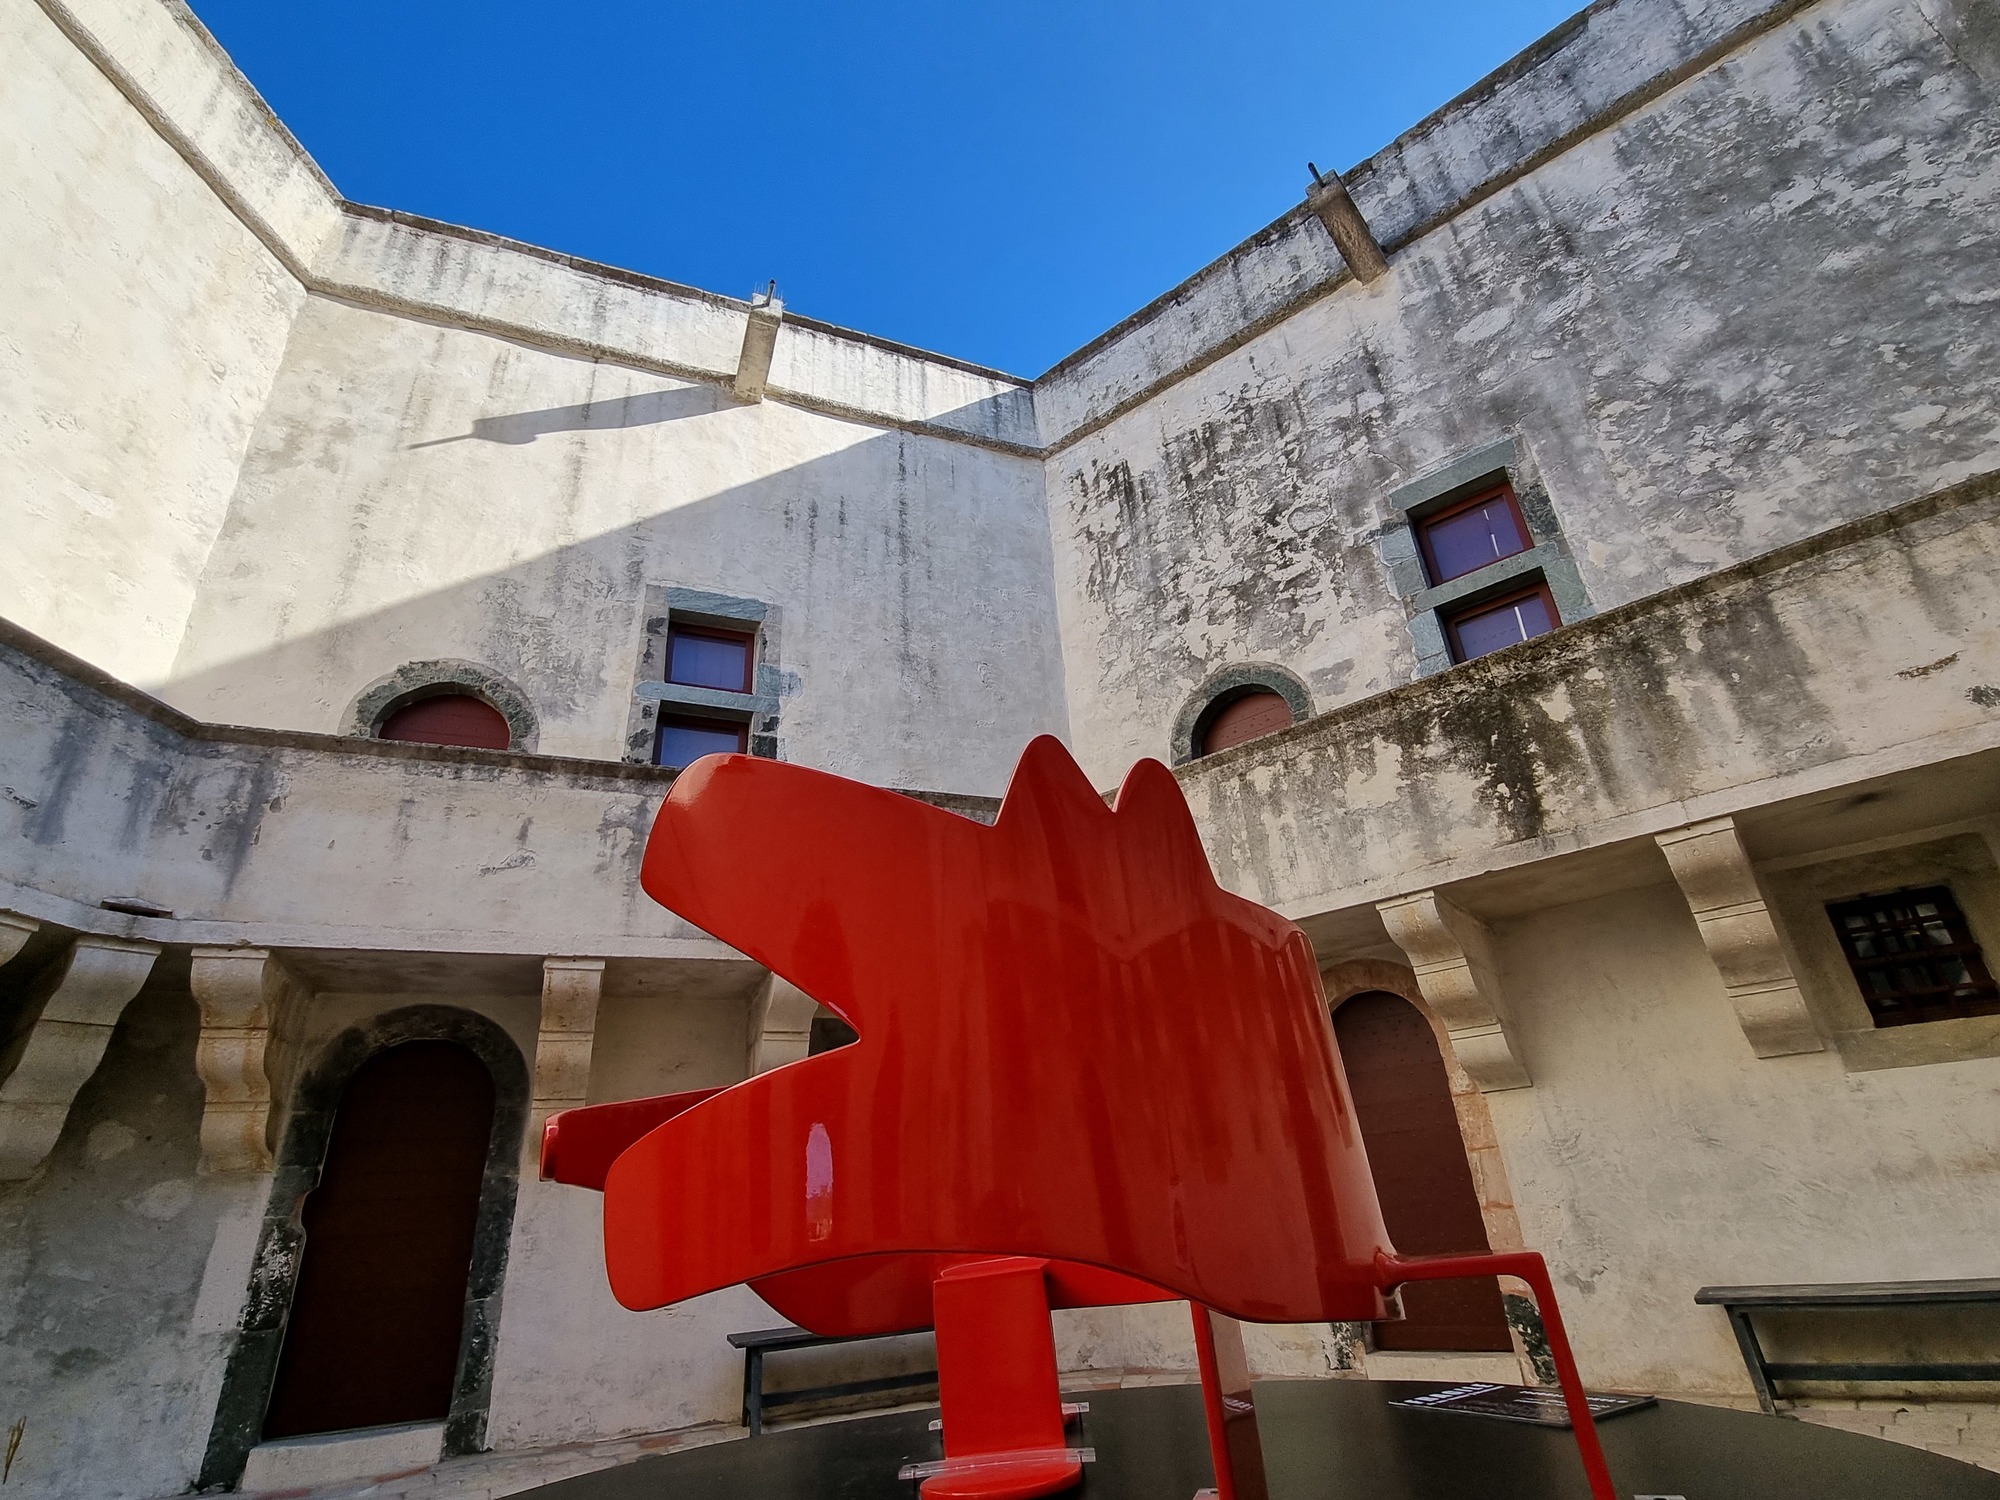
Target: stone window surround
[(417, 680), (1228, 681), (1959, 856), (652, 693), (1547, 558)]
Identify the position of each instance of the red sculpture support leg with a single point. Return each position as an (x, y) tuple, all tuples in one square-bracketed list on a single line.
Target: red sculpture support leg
[(1002, 1406), (1531, 1268), (1233, 1441)]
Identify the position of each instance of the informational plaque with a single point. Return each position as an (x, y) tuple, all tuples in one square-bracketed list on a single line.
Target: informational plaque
[(1516, 1403)]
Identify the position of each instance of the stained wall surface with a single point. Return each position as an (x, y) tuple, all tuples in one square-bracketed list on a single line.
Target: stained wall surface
[(1721, 270), (113, 1353), (1754, 306), (416, 492), (141, 323), (1779, 1169)]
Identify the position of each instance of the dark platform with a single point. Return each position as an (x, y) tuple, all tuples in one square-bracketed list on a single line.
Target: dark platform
[(1330, 1440)]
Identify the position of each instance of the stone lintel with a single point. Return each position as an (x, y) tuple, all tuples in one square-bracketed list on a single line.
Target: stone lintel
[(1714, 874), (72, 1009), (1449, 951)]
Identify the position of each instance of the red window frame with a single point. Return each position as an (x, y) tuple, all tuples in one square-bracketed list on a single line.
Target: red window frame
[(1504, 490), (748, 638), (1498, 601)]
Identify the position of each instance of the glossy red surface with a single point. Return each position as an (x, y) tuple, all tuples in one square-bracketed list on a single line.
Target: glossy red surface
[(579, 1145), (1003, 1425), (1073, 1044)]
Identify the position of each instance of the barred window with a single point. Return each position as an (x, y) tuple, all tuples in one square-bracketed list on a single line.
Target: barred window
[(1914, 957)]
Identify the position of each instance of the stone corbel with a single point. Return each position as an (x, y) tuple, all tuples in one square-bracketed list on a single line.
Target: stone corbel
[(14, 933), (781, 1018), (1714, 875), (240, 992), (571, 991), (760, 342), (72, 1010), (1450, 951)]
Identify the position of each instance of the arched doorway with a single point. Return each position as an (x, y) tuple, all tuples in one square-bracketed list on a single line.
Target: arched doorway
[(1402, 1098), (374, 1332)]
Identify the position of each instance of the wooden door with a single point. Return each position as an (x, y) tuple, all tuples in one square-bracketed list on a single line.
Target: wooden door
[(374, 1330), (1403, 1100)]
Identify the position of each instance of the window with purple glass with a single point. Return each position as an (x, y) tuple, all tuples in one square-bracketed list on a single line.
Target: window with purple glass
[(1474, 532), (685, 739), (1495, 624), (700, 656)]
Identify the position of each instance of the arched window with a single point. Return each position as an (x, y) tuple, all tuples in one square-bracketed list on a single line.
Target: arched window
[(445, 703), (1239, 702), (375, 1326), (1247, 715), (1430, 1205), (448, 719)]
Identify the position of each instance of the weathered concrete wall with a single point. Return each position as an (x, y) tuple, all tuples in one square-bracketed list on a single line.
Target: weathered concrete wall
[(416, 492), (141, 323), (466, 278), (301, 841), (1756, 306), (110, 1353), (1859, 653), (1656, 1155), (572, 1363)]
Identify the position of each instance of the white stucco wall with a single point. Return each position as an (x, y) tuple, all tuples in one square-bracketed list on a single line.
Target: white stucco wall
[(415, 492), (140, 325), (1656, 1154)]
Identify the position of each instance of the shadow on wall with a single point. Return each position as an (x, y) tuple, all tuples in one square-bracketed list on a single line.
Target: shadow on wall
[(642, 410), (106, 1246), (913, 578)]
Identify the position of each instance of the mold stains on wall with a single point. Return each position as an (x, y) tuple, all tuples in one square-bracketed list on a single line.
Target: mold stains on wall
[(1718, 326), (1757, 673), (105, 1252)]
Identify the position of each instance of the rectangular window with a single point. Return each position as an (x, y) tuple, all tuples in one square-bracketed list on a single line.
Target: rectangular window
[(1467, 536), (686, 738), (1498, 623), (701, 656), (1914, 957)]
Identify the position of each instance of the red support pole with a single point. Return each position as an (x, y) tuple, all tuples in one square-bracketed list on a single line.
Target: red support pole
[(997, 1389), (1531, 1268), (1233, 1440)]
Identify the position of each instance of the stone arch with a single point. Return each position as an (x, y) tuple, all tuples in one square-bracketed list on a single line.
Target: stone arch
[(260, 1334), (417, 680), (1230, 682), (1343, 982)]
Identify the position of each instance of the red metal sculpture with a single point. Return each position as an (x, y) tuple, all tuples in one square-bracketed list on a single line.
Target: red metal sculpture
[(1085, 1075)]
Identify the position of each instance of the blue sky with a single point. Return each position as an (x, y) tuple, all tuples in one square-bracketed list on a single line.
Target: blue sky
[(997, 182)]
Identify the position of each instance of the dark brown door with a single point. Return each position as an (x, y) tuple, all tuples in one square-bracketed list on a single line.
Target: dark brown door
[(1421, 1175), (373, 1335)]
